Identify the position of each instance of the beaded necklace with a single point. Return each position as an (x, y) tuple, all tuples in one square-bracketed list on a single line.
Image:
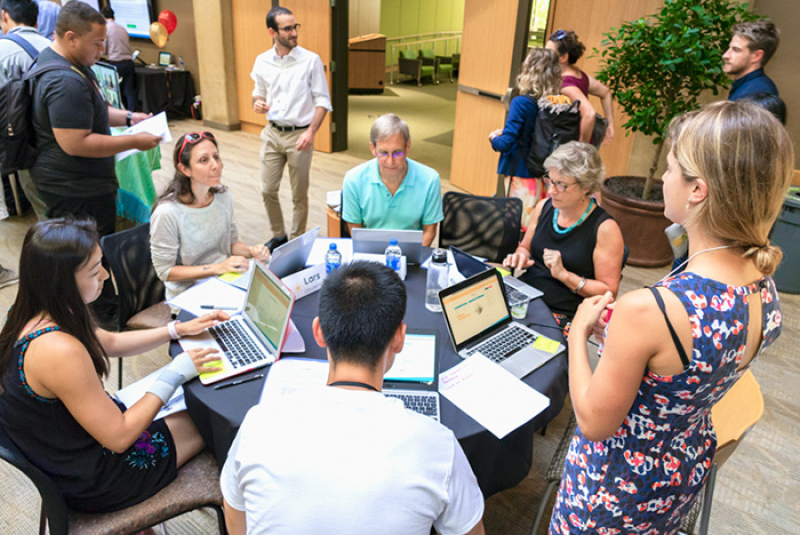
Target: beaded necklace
[(578, 222)]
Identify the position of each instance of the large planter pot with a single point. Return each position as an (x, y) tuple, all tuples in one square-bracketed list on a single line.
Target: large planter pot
[(642, 223)]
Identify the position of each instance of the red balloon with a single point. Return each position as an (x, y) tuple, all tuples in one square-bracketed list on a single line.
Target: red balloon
[(169, 20)]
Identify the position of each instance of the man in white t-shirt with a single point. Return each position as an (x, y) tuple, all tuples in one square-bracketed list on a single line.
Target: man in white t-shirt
[(342, 458)]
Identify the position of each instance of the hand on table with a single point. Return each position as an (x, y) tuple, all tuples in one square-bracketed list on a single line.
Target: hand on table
[(306, 140), (588, 314), (260, 252), (519, 259), (233, 264), (201, 357), (201, 323)]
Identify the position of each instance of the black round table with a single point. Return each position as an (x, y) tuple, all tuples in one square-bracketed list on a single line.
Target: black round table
[(498, 464)]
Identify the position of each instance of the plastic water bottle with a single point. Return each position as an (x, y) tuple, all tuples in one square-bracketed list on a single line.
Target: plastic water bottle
[(393, 255), (333, 258), (437, 280), (180, 63)]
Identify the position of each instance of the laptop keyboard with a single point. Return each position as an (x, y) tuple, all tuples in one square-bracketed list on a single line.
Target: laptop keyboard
[(515, 297), (425, 404), (237, 344), (504, 344)]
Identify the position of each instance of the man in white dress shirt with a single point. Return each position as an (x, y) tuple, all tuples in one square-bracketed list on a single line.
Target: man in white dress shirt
[(290, 87)]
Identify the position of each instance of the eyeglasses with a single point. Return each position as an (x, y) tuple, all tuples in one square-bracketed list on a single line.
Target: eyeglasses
[(396, 155), (288, 29), (558, 36), (558, 186), (195, 137)]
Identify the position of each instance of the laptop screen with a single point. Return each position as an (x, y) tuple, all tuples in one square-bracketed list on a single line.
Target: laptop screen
[(268, 306), (477, 305), (416, 363)]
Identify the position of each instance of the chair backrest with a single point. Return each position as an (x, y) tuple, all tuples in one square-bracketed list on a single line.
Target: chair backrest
[(427, 53), (405, 54), (735, 414), (128, 255), (53, 504), (483, 226)]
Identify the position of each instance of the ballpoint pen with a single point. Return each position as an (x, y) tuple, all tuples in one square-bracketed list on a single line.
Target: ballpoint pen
[(213, 307), (240, 381)]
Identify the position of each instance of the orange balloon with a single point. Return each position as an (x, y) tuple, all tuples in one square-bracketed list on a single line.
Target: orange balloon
[(159, 34), (169, 20)]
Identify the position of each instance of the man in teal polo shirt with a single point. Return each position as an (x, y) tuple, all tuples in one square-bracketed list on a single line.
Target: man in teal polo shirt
[(392, 191)]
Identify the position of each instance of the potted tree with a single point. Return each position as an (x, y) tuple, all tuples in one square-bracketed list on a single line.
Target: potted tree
[(657, 67)]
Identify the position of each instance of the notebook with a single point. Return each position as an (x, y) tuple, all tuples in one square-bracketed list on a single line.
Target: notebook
[(414, 376), (375, 241), (291, 256), (517, 291), (254, 338), (479, 321)]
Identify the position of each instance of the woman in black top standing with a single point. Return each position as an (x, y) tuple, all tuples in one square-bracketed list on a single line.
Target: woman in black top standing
[(572, 248)]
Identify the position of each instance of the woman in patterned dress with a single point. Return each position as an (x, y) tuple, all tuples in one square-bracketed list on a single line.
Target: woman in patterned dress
[(102, 455), (645, 439)]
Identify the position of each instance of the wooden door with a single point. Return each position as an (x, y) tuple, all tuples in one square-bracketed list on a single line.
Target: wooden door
[(250, 38), (492, 49)]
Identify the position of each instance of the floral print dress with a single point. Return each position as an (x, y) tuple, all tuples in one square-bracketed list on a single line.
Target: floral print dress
[(645, 478)]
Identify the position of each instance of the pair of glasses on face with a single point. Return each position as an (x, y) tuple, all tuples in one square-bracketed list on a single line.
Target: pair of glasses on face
[(288, 29), (396, 155), (194, 137), (558, 186)]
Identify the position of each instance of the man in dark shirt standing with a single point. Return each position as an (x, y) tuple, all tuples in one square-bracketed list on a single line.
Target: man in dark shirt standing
[(751, 47)]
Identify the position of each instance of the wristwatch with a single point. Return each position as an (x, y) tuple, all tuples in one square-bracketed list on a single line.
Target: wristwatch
[(128, 118)]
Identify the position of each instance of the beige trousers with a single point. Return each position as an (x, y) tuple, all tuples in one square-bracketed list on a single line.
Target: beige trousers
[(280, 149)]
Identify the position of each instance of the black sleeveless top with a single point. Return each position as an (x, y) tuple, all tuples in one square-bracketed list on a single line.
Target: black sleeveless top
[(91, 477), (577, 250)]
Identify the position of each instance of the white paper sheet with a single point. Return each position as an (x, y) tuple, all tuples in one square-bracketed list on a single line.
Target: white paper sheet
[(321, 245), (490, 395), (136, 391), (291, 374), (212, 293), (156, 125)]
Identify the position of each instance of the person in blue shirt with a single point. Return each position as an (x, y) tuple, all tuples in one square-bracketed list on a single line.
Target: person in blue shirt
[(751, 47), (392, 191), (48, 14)]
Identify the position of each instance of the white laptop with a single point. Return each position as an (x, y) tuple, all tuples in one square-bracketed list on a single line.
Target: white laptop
[(414, 375), (479, 322), (375, 241), (517, 291), (254, 338), (291, 256)]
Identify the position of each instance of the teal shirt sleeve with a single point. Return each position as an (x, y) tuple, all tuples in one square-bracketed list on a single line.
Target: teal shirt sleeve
[(351, 202), (433, 202)]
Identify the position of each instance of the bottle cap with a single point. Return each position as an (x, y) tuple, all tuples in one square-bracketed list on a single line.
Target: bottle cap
[(332, 247), (439, 256), (393, 241)]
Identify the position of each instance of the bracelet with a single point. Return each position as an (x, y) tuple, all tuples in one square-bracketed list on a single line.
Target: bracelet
[(128, 118), (173, 331), (580, 285)]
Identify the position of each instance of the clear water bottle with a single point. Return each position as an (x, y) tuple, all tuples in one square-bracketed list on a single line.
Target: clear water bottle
[(333, 258), (180, 63), (438, 278), (393, 255)]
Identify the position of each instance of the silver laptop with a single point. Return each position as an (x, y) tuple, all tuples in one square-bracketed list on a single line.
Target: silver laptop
[(479, 322), (254, 338), (291, 256), (414, 376), (375, 241), (517, 291)]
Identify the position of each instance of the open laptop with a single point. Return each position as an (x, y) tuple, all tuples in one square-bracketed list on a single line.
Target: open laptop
[(254, 338), (414, 376), (479, 322), (517, 291), (375, 241), (291, 256)]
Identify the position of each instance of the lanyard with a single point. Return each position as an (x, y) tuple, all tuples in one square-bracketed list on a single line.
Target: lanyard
[(354, 383)]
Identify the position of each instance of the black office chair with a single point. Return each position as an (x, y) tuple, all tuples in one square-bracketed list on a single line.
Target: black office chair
[(196, 486), (141, 293), (488, 227)]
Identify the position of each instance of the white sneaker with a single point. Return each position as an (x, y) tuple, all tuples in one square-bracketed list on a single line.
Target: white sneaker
[(7, 277)]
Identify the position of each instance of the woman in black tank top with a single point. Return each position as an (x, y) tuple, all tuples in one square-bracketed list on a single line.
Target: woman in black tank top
[(572, 248)]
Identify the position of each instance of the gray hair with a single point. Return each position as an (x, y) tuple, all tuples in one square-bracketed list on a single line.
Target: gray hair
[(581, 161), (386, 126)]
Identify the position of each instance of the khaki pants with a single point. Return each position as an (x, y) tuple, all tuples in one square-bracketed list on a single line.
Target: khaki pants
[(280, 149)]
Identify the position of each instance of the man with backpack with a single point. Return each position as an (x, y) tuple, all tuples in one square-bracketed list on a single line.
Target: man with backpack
[(19, 47)]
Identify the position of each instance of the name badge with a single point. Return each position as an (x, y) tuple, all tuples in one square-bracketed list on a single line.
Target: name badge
[(307, 281)]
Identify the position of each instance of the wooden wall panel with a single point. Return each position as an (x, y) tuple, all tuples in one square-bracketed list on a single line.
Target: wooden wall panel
[(474, 164), (487, 45)]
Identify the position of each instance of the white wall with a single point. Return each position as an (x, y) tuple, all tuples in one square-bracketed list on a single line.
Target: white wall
[(365, 17)]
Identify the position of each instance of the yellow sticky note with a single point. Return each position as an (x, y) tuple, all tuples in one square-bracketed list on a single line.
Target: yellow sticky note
[(546, 344), (230, 276), (205, 376), (503, 272)]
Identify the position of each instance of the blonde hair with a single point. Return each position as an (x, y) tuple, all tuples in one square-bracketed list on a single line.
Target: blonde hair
[(580, 161), (540, 73), (746, 158)]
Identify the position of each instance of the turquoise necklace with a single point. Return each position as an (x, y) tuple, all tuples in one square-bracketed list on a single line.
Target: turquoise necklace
[(578, 222)]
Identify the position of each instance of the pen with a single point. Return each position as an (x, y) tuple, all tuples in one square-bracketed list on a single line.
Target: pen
[(212, 307), (240, 381)]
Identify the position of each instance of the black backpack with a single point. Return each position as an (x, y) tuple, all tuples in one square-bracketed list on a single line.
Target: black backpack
[(17, 138), (556, 124)]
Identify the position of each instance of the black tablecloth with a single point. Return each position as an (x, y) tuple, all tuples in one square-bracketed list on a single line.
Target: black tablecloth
[(162, 90), (498, 464)]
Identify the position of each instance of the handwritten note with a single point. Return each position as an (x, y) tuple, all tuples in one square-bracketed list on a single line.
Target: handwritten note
[(490, 395)]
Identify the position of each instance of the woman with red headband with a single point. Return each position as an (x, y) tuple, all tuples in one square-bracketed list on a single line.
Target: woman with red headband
[(192, 233)]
